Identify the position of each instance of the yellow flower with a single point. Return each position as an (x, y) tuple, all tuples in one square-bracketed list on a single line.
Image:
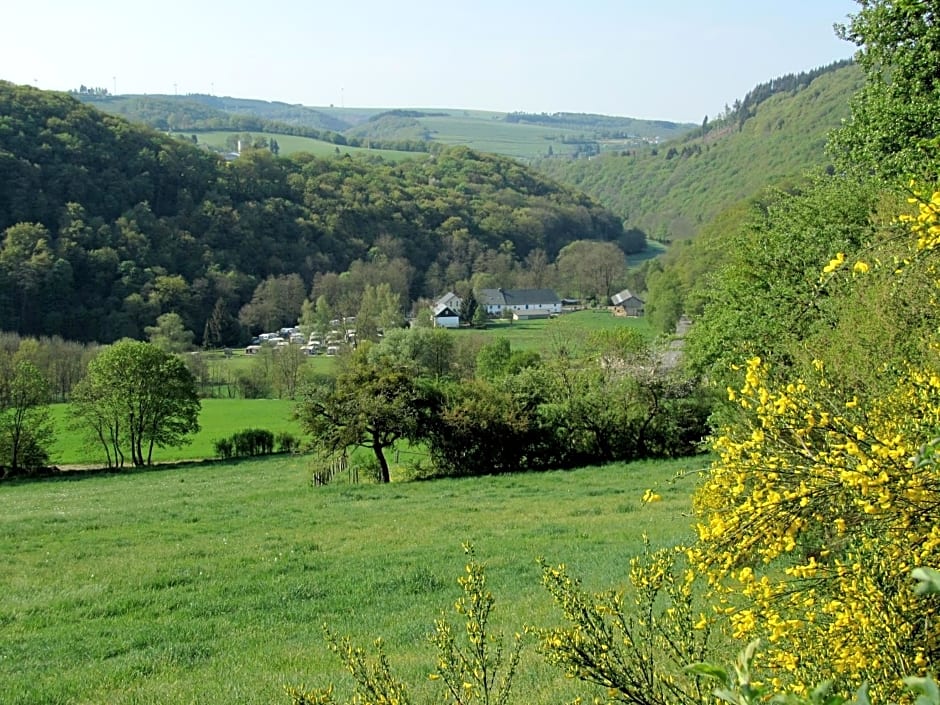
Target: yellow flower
[(834, 263), (860, 267)]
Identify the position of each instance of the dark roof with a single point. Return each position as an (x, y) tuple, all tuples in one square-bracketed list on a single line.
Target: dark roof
[(518, 297), (444, 310)]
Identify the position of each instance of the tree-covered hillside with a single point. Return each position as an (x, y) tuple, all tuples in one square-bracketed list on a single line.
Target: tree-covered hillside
[(201, 112), (107, 225), (772, 137)]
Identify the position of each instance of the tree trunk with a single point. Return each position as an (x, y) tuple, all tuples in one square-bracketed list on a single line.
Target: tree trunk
[(385, 476)]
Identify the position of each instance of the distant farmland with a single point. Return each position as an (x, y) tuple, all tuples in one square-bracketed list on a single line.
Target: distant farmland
[(292, 144)]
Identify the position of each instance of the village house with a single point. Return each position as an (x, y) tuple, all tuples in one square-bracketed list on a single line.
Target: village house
[(523, 303), (445, 311), (444, 316)]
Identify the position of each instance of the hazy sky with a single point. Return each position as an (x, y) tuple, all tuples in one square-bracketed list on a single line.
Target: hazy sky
[(672, 60)]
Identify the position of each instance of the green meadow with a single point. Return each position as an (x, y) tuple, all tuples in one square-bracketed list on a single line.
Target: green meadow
[(495, 135), (210, 583), (291, 144), (219, 418), (546, 335)]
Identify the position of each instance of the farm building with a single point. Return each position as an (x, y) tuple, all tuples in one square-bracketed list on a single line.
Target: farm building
[(531, 315), (445, 317), (525, 302), (626, 303)]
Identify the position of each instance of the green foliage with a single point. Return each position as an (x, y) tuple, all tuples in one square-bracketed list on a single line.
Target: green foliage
[(480, 428), (738, 687), (894, 124), (591, 270), (779, 139), (766, 298), (136, 397), (479, 318), (430, 350), (523, 412), (25, 425), (370, 405), (497, 360), (246, 443), (276, 302), (632, 645), (224, 448), (169, 335)]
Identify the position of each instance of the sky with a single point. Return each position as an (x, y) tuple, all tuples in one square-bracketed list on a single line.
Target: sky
[(678, 60)]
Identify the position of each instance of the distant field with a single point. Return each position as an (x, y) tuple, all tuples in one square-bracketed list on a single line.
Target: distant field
[(219, 418), (494, 135), (291, 144), (653, 250), (546, 335), (223, 417), (209, 584)]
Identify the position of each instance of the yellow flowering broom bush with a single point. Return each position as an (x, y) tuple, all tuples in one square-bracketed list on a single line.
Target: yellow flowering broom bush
[(634, 643), (819, 505)]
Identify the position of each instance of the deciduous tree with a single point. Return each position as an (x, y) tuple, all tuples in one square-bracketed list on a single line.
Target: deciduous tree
[(895, 117), (25, 424), (371, 404), (136, 397), (592, 269), (169, 334)]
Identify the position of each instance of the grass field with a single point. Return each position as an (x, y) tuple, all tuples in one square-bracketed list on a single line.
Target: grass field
[(291, 144), (209, 584), (495, 135), (219, 418), (569, 329)]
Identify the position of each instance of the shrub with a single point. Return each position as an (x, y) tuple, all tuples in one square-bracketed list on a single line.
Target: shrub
[(246, 443), (224, 448), (287, 443)]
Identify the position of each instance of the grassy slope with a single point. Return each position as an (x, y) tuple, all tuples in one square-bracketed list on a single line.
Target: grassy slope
[(479, 129), (291, 144), (494, 135), (210, 584), (675, 197)]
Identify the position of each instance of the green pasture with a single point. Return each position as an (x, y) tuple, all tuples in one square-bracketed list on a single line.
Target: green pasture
[(490, 133), (219, 418), (317, 364), (209, 584), (652, 250), (291, 144), (548, 335)]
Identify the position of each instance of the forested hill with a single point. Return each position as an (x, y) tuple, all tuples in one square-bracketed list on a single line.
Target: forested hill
[(106, 225), (774, 136)]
